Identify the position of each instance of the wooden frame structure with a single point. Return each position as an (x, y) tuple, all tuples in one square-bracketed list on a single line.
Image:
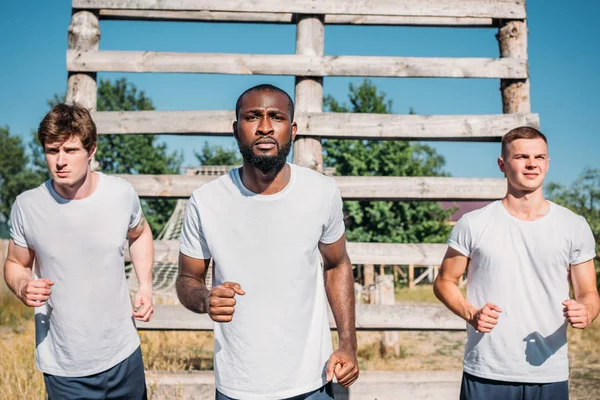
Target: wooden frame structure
[(309, 65)]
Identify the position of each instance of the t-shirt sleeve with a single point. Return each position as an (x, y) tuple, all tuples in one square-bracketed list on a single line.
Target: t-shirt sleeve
[(17, 225), (460, 237), (334, 227), (583, 247), (192, 242), (136, 209)]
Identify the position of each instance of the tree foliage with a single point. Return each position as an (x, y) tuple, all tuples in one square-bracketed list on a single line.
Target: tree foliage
[(385, 221), (583, 198), (218, 155), (16, 173)]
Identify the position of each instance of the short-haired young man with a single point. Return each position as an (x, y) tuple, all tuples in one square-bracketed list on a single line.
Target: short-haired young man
[(520, 253), (75, 226), (265, 226)]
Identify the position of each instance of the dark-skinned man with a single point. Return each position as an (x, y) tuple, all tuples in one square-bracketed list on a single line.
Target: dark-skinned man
[(266, 226)]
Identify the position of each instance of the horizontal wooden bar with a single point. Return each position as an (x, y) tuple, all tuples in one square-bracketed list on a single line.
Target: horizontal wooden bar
[(290, 18), (327, 125), (167, 252), (368, 317), (295, 64), (351, 187), (507, 9), (414, 385)]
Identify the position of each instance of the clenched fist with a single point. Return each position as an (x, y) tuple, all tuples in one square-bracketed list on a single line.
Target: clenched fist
[(485, 320), (221, 301), (576, 313), (35, 293)]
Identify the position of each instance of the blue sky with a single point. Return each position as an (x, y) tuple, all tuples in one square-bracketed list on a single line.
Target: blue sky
[(563, 59)]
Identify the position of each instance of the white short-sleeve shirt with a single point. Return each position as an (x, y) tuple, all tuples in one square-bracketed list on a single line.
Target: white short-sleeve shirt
[(278, 343)]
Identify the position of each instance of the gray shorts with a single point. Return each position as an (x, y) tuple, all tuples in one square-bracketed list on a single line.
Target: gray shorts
[(323, 393), (125, 380), (476, 388)]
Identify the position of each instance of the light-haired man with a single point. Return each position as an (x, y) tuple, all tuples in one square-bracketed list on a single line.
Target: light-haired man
[(75, 226), (520, 253)]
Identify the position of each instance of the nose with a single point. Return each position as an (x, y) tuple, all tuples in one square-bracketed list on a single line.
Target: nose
[(265, 127), (61, 159), (531, 163)]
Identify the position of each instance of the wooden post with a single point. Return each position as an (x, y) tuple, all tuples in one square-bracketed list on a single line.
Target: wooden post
[(369, 274), (84, 35), (512, 39), (411, 276), (310, 40), (390, 341)]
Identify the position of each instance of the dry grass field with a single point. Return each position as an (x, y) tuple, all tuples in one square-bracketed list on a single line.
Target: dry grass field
[(193, 351)]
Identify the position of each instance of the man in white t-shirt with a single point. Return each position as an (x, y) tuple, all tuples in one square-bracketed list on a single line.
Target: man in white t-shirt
[(75, 226), (520, 253), (265, 226)]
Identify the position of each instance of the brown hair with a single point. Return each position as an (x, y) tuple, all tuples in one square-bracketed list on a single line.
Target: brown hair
[(64, 122), (522, 132)]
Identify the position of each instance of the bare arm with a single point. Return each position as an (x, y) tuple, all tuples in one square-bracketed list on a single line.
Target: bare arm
[(190, 285), (141, 249), (339, 285), (582, 311), (19, 277), (446, 290)]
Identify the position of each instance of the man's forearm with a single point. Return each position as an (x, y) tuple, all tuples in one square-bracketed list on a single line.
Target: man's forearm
[(339, 285), (141, 250), (449, 294), (16, 277), (591, 302), (192, 293)]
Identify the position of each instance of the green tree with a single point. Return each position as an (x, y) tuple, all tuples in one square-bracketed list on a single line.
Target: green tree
[(385, 221), (583, 198), (218, 155), (16, 173), (133, 154)]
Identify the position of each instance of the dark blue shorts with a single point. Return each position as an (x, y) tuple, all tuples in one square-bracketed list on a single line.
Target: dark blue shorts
[(475, 388), (323, 393), (125, 380)]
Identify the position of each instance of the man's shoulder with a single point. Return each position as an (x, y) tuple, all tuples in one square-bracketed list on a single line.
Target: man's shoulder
[(213, 187), (116, 183), (483, 213), (566, 215), (33, 195)]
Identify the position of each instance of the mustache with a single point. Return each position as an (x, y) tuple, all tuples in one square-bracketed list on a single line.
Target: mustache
[(263, 140)]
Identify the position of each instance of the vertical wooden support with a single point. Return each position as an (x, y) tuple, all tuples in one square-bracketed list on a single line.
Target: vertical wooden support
[(390, 341), (369, 274), (310, 40), (512, 39), (84, 35), (411, 276)]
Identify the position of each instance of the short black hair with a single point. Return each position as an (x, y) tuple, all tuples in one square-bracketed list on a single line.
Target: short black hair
[(265, 87)]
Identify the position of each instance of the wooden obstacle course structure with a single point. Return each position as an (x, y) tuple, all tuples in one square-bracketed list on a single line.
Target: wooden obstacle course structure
[(310, 65)]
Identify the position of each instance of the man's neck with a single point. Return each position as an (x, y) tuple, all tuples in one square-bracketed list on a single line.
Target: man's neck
[(80, 189), (265, 182), (527, 206)]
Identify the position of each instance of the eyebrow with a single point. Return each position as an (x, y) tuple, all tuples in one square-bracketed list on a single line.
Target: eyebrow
[(270, 111), (526, 154)]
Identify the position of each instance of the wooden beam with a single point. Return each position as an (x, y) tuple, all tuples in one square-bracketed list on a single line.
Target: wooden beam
[(328, 125), (512, 39), (351, 187), (84, 35), (511, 9), (289, 18), (310, 41), (167, 251), (368, 317), (295, 64)]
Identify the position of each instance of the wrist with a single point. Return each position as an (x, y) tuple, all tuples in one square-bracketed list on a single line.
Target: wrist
[(471, 314)]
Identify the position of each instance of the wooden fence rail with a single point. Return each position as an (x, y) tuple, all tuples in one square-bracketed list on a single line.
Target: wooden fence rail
[(506, 9), (368, 317), (295, 64), (318, 124), (351, 187)]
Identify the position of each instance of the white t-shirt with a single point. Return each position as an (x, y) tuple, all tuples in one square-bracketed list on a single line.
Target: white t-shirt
[(86, 326), (523, 268), (278, 343)]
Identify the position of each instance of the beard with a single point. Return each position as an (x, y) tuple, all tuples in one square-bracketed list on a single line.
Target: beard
[(264, 162)]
